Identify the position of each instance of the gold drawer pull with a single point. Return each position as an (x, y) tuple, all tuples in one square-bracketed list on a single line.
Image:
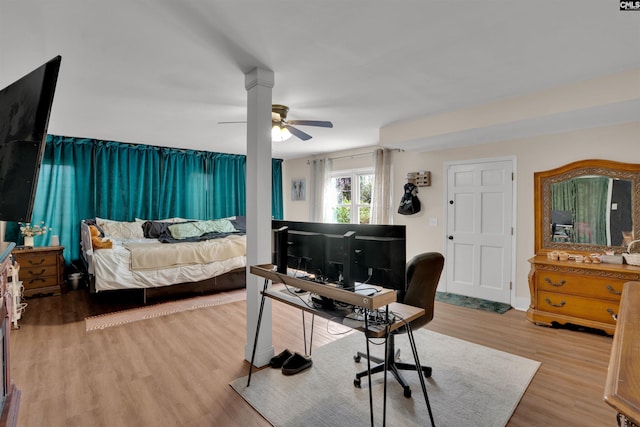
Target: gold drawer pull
[(562, 282), (35, 273), (548, 301), (42, 260), (612, 313), (613, 291)]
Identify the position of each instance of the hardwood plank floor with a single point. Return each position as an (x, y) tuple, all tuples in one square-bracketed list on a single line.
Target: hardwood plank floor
[(175, 370)]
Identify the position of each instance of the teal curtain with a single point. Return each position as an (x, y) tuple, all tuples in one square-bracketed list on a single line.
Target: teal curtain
[(85, 178)]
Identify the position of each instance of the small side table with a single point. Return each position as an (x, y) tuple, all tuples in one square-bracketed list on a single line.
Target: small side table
[(41, 269)]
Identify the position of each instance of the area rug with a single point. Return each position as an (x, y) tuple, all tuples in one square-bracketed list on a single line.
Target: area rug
[(471, 385), (162, 309), (470, 302)]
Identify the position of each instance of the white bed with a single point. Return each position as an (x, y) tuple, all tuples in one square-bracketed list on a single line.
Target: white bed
[(116, 268)]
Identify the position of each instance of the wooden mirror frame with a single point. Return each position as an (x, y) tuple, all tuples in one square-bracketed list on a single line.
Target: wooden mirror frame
[(542, 196)]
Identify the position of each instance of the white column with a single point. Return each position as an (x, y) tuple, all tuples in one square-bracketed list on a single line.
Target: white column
[(258, 83)]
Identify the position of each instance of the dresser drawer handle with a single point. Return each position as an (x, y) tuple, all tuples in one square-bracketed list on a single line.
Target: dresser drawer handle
[(548, 301), (612, 313), (41, 279), (562, 282), (613, 291), (31, 262), (35, 273)]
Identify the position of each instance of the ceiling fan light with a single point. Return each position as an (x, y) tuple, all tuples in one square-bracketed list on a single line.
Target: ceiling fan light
[(279, 134)]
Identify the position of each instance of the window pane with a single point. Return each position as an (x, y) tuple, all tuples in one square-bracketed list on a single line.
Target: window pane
[(342, 214), (364, 215), (365, 184)]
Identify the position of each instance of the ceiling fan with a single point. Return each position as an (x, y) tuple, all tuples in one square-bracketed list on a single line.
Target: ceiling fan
[(282, 128)]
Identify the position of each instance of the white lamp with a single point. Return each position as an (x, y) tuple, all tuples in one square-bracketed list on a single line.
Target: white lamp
[(279, 134)]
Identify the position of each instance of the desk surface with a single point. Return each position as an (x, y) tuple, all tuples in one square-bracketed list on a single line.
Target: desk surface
[(381, 299), (622, 389)]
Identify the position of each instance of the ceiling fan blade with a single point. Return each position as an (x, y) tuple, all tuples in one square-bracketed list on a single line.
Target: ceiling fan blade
[(319, 123), (297, 132)]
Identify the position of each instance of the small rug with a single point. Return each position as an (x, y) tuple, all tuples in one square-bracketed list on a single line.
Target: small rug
[(162, 309), (471, 385), (478, 303)]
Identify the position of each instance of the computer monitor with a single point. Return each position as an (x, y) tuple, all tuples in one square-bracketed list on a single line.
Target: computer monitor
[(344, 253)]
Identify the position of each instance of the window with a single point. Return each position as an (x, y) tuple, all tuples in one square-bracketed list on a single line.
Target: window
[(350, 196)]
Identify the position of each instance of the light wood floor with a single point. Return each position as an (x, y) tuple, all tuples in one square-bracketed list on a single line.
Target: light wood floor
[(175, 370)]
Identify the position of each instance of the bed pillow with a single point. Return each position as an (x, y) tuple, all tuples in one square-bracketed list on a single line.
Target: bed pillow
[(198, 228), (121, 230)]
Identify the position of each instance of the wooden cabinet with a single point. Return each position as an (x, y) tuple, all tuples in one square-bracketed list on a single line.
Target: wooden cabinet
[(9, 394), (622, 389), (41, 269), (567, 292)]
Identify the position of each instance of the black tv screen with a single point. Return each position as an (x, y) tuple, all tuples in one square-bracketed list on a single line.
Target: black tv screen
[(25, 106)]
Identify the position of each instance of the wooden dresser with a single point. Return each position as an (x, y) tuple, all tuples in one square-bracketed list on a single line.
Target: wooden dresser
[(41, 269), (567, 292)]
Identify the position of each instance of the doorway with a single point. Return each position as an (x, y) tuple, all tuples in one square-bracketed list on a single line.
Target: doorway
[(479, 239)]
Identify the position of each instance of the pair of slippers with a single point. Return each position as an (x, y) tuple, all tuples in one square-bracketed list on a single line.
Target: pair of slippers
[(290, 363)]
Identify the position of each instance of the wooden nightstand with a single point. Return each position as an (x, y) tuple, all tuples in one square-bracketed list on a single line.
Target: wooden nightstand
[(41, 269)]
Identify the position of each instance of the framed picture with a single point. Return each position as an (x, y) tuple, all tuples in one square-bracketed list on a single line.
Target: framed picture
[(298, 189)]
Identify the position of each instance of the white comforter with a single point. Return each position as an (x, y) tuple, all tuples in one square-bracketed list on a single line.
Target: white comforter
[(112, 267)]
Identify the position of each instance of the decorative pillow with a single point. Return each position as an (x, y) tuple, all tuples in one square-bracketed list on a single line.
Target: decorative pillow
[(121, 229), (171, 220), (198, 228)]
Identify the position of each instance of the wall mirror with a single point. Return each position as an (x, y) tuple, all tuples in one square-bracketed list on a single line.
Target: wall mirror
[(587, 206)]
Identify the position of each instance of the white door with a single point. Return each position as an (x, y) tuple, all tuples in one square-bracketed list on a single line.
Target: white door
[(479, 229)]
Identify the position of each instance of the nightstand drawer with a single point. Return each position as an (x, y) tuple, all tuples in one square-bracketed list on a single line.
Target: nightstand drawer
[(38, 272), (37, 260), (39, 282)]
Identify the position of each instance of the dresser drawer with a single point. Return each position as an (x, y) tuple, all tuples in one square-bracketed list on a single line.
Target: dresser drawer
[(578, 306), (586, 286), (37, 272), (37, 260)]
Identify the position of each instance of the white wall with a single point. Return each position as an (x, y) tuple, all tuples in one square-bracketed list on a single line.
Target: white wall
[(619, 142)]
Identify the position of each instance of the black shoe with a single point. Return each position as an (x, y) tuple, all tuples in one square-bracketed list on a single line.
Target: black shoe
[(296, 363), (278, 361)]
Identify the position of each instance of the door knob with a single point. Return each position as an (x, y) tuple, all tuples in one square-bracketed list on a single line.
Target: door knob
[(450, 237)]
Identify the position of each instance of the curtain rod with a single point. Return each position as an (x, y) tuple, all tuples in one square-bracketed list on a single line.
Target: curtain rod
[(352, 156)]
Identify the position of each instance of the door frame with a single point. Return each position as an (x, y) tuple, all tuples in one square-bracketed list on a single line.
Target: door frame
[(514, 205)]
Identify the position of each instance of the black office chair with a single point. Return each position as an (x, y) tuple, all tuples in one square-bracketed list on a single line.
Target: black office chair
[(423, 273)]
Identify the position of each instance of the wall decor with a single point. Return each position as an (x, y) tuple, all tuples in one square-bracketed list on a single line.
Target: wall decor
[(298, 189)]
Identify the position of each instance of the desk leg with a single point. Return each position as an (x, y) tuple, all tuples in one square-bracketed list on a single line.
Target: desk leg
[(420, 373), (255, 339), (366, 328), (304, 333)]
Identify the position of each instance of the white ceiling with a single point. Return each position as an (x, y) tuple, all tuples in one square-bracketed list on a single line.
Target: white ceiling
[(165, 72)]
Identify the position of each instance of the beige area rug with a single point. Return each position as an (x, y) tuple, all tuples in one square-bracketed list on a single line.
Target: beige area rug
[(471, 385), (162, 309)]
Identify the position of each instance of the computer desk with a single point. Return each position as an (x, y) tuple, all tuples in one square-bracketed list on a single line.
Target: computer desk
[(384, 299)]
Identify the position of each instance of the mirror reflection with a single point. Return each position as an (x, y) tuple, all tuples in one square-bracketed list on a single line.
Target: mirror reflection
[(591, 209)]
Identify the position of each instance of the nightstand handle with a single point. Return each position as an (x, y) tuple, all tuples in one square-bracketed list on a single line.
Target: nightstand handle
[(36, 263), (612, 313), (548, 301), (33, 273), (562, 282), (613, 291)]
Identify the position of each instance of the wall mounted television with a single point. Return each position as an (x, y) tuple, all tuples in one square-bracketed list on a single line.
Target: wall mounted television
[(25, 107)]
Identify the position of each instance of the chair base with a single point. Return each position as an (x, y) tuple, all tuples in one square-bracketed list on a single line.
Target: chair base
[(393, 367)]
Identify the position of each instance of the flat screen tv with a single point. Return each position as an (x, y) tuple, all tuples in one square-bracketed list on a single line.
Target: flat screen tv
[(25, 106)]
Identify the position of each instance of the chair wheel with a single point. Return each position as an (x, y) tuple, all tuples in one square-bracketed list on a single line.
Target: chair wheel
[(407, 393), (356, 382), (356, 358)]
